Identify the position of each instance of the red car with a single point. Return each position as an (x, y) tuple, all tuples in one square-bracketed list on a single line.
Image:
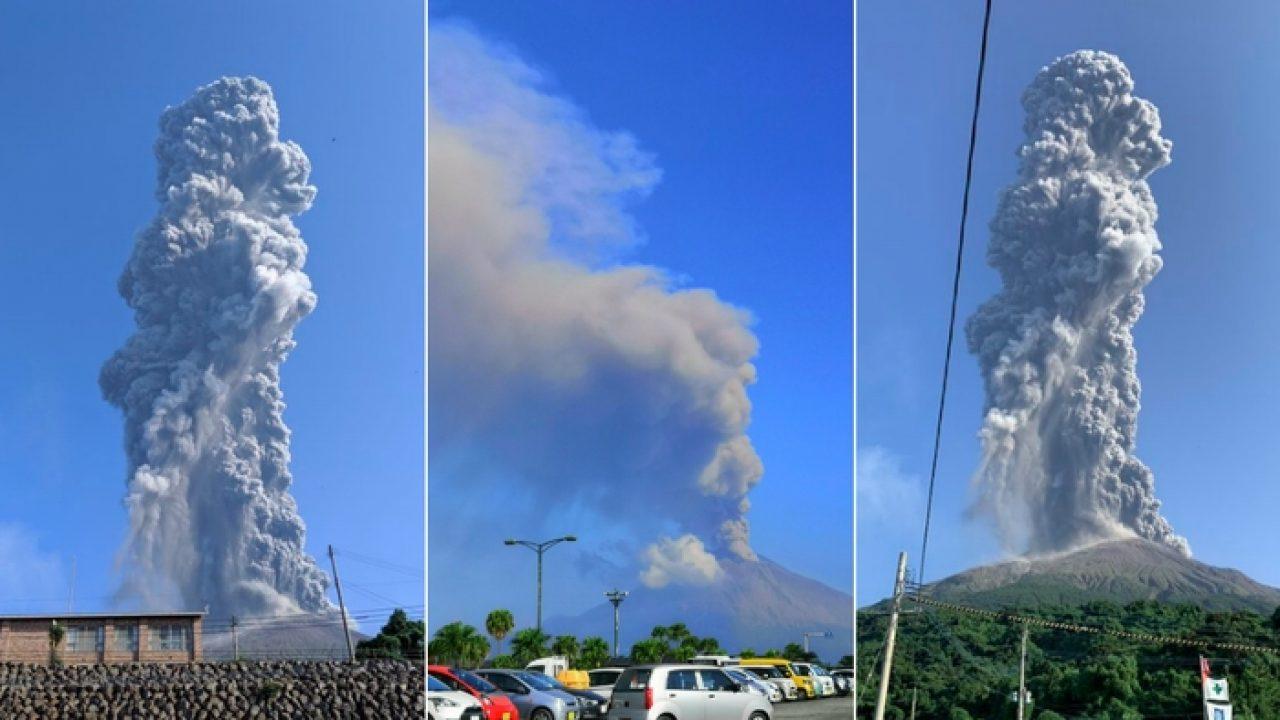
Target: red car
[(496, 705)]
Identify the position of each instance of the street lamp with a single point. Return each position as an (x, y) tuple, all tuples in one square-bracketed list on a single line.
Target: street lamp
[(541, 547), (813, 634), (616, 597)]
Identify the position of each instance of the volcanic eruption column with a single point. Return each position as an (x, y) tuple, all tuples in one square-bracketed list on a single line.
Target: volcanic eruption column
[(1074, 242), (216, 285)]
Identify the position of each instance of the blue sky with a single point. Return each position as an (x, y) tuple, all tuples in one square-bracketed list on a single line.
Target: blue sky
[(84, 85), (746, 110), (1208, 340)]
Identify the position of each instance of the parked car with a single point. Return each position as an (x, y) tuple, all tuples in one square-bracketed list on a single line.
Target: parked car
[(446, 704), (535, 695), (844, 681), (776, 678), (495, 705), (601, 680), (757, 685), (649, 692), (823, 685), (804, 685), (557, 666)]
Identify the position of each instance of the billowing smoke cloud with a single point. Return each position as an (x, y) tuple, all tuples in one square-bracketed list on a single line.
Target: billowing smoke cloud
[(683, 560), (216, 285), (584, 382), (1075, 243)]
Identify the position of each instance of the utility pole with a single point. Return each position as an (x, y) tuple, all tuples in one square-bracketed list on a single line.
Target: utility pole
[(808, 635), (616, 597), (540, 547), (913, 703), (899, 582), (342, 607), (1022, 676), (71, 592), (235, 639)]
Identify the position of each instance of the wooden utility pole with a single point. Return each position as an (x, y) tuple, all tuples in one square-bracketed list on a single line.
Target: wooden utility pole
[(898, 584), (1022, 676), (342, 607), (913, 703)]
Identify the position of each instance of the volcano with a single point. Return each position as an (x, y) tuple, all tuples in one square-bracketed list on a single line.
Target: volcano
[(1119, 570), (755, 604)]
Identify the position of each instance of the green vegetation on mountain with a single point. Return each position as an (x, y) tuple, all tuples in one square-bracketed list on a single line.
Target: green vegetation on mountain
[(967, 666)]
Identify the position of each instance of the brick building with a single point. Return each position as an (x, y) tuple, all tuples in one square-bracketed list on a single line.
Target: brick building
[(172, 637)]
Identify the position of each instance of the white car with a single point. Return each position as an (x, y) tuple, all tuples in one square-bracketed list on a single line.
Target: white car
[(823, 685), (758, 686), (776, 678), (446, 704), (651, 692), (601, 680)]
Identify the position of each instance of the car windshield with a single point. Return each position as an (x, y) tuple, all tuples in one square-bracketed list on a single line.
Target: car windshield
[(603, 677), (768, 672), (819, 670), (435, 685), (475, 681), (541, 682)]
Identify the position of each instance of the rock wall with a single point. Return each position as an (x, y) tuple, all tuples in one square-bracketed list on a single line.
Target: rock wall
[(376, 689)]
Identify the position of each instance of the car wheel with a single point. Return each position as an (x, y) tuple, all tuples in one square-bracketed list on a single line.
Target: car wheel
[(757, 715), (542, 714)]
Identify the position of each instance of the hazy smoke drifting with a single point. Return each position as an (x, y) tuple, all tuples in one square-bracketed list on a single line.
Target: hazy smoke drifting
[(216, 285), (1074, 241), (585, 382)]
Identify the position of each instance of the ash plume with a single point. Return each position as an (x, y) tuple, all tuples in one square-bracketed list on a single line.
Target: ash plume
[(563, 377), (216, 285), (1075, 243)]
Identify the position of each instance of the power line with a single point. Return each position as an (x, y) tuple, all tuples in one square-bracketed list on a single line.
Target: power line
[(955, 286)]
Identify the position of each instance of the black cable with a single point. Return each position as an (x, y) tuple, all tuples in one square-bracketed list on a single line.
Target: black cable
[(955, 288)]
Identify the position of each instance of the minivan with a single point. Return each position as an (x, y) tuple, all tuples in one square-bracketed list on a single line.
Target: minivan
[(649, 692)]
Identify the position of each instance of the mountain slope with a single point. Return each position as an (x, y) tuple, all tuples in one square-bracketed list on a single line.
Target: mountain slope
[(759, 605), (1118, 570)]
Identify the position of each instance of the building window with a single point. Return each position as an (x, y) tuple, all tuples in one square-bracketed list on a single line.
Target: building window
[(168, 637), (125, 638), (84, 638)]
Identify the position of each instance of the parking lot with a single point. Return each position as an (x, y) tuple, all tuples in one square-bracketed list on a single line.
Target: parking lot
[(827, 709)]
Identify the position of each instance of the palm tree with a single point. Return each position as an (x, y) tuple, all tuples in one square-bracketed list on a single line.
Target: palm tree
[(460, 643), (499, 624), (651, 650), (595, 652), (529, 644), (566, 645)]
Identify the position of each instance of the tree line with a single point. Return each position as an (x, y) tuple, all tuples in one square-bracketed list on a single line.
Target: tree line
[(962, 666), (463, 645)]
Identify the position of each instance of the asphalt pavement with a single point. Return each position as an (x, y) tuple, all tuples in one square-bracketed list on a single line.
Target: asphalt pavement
[(836, 708)]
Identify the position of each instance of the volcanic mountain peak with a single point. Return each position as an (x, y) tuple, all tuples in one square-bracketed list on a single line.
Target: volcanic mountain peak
[(1119, 570), (756, 603)]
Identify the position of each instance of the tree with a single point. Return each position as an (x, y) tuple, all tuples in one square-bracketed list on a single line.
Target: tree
[(747, 653), (845, 661), (772, 653), (651, 650), (56, 633), (499, 624), (794, 651), (528, 645), (399, 638), (595, 652), (460, 643), (507, 662), (566, 645)]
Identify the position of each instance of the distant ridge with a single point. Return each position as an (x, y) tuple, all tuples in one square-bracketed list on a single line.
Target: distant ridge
[(756, 604), (1119, 570)]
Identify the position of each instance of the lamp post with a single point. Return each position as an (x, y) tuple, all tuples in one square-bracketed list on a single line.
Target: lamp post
[(616, 597), (813, 634), (541, 547)]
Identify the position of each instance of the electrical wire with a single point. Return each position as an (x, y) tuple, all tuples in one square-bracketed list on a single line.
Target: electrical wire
[(955, 287)]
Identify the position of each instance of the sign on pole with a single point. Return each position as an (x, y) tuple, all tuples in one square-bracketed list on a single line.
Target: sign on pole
[(1217, 699)]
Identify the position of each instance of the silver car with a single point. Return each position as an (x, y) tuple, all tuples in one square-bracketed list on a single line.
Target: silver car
[(535, 695), (776, 678), (650, 692), (758, 686)]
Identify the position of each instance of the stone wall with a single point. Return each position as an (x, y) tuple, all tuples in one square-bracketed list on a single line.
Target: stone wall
[(381, 689)]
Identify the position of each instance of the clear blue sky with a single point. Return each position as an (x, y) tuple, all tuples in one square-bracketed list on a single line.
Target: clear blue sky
[(747, 110), (1208, 341), (84, 85)]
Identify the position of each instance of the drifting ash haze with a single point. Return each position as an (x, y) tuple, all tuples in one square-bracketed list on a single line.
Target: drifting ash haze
[(576, 381), (216, 285), (1075, 243)]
